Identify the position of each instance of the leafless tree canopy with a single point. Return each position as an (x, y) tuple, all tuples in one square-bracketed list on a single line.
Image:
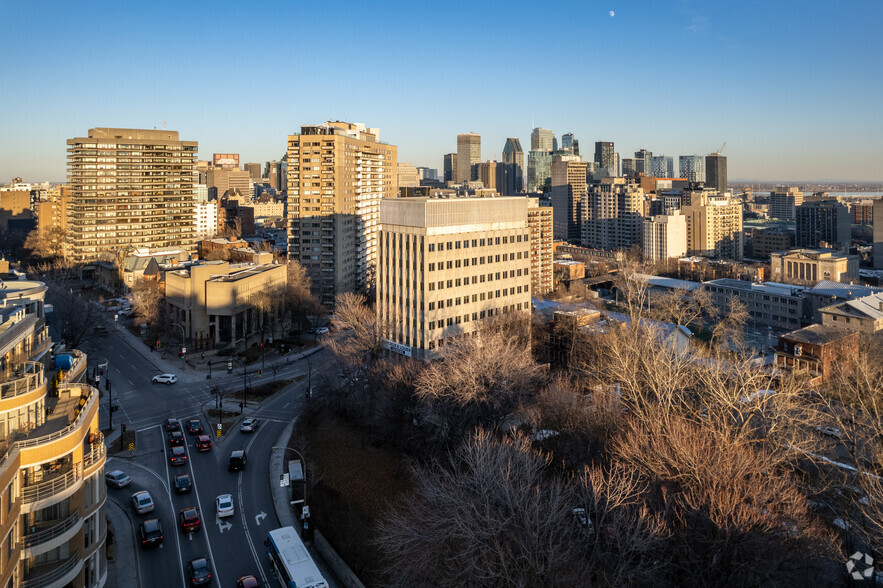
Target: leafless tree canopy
[(74, 315)]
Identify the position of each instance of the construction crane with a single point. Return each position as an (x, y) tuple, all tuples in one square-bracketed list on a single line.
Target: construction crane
[(718, 152)]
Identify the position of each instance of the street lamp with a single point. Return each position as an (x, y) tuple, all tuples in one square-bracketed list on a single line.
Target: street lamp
[(309, 377), (183, 361)]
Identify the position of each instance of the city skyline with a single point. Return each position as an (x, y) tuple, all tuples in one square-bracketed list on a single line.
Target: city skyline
[(793, 93)]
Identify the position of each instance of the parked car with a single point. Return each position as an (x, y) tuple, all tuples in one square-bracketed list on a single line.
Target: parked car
[(247, 582), (322, 330), (150, 532), (224, 505), (176, 438), (164, 379), (172, 425), (182, 484), (237, 460), (142, 502), (249, 425), (177, 456), (198, 571), (203, 443), (194, 427), (189, 519), (117, 479)]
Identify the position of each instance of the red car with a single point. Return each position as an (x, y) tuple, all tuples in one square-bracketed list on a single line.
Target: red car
[(203, 443), (189, 519)]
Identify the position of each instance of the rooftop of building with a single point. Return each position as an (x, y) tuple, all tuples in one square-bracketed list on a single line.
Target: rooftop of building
[(841, 290), (767, 287), (818, 253), (567, 262), (668, 283), (865, 307), (818, 334)]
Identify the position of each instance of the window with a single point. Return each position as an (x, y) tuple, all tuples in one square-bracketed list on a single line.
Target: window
[(432, 306), (457, 263), (432, 247), (474, 279), (458, 302), (441, 303), (450, 283), (457, 244), (498, 242), (432, 267), (498, 259), (458, 283), (441, 284), (505, 240), (475, 243), (450, 264), (498, 275), (482, 242), (431, 286), (481, 297), (505, 275), (431, 325)]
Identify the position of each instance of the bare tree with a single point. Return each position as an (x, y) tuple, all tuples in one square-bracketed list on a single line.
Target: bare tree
[(300, 302), (730, 326), (359, 339), (74, 315)]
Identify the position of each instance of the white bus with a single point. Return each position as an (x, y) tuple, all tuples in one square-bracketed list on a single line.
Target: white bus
[(290, 560)]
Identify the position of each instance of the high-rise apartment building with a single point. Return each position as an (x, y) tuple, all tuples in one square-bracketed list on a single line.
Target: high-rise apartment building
[(447, 263), (629, 167), (714, 225), (407, 175), (539, 221), (877, 248), (665, 236), (691, 167), (337, 174), (52, 527), (513, 159), (662, 166), (716, 172), (783, 201), (539, 170), (542, 140), (226, 181), (450, 167), (131, 188), (613, 212), (568, 188), (254, 171), (605, 157), (644, 162), (468, 157), (823, 221), (52, 215), (206, 219)]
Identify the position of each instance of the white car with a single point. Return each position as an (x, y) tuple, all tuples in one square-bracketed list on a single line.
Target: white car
[(249, 425), (322, 330), (142, 502), (117, 479), (165, 379), (224, 504)]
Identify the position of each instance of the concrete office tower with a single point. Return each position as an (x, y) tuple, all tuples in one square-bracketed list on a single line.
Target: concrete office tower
[(716, 172), (568, 189), (407, 175), (540, 223), (337, 174), (823, 221), (714, 225), (662, 166), (877, 250), (783, 201), (539, 170), (487, 174), (513, 159), (613, 212), (468, 157), (567, 141), (448, 263), (152, 206), (450, 167), (542, 140), (643, 162), (224, 182), (53, 464), (254, 171), (665, 236), (274, 171), (605, 157), (225, 160), (629, 167), (691, 167)]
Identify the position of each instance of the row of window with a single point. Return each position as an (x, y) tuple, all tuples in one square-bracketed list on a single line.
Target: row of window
[(455, 263), (491, 294), (456, 283)]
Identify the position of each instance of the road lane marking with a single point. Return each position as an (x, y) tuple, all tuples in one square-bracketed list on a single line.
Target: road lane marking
[(171, 504), (199, 504), (259, 517), (222, 526), (244, 521)]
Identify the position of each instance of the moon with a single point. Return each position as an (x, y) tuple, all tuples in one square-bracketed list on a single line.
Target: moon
[(612, 14)]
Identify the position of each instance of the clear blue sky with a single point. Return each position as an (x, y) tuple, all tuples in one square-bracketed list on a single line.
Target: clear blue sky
[(794, 88)]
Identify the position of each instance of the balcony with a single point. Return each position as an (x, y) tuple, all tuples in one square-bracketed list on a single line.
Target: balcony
[(45, 532), (23, 377), (94, 451), (55, 574)]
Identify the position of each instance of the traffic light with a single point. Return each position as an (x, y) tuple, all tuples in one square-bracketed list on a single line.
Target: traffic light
[(260, 373), (100, 371), (262, 344)]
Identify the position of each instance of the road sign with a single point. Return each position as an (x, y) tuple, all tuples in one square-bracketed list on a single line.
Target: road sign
[(305, 512), (218, 433), (219, 426), (131, 447), (183, 350), (284, 480)]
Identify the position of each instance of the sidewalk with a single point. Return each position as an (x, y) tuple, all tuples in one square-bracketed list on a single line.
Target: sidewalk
[(125, 565)]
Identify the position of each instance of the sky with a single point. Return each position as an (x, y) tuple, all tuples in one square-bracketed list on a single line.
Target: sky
[(794, 88)]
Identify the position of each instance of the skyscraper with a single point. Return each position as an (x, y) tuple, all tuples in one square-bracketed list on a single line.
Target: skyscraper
[(567, 141), (513, 159), (450, 167), (468, 156), (877, 248), (542, 140), (613, 214), (568, 189), (714, 225), (628, 167), (337, 174), (605, 157), (643, 162), (662, 166), (716, 172), (783, 201), (823, 221), (691, 167), (150, 206)]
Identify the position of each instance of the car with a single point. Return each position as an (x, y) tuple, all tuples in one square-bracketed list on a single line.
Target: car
[(203, 443), (247, 582), (117, 479), (237, 460), (182, 484), (189, 519), (177, 456), (100, 330), (249, 425), (224, 504), (198, 570), (322, 331), (150, 532), (194, 427), (142, 502), (832, 432), (176, 438), (172, 425), (165, 379)]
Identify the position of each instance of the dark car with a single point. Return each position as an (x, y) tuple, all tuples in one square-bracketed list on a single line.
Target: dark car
[(172, 425), (198, 570), (247, 582), (189, 519), (176, 438), (177, 456), (150, 532), (194, 427), (203, 443), (237, 460), (182, 484)]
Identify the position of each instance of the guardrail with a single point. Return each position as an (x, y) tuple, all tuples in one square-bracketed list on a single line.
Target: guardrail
[(86, 391), (51, 488), (45, 535), (97, 452), (56, 574), (29, 381)]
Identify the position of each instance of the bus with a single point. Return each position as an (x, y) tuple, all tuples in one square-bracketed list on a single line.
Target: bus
[(290, 560)]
